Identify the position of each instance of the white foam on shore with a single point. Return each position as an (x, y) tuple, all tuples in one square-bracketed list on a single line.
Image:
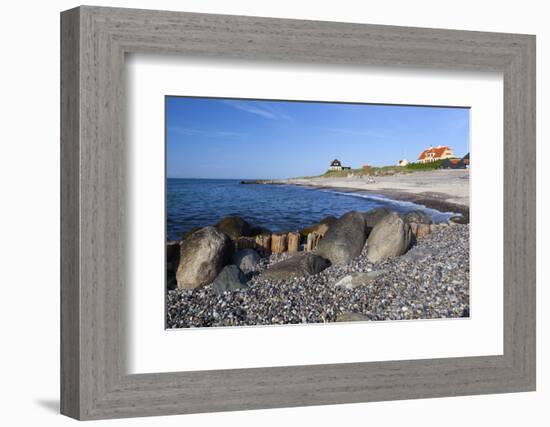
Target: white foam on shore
[(437, 216)]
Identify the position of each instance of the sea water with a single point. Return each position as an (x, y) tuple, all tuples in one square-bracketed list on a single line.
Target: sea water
[(201, 202)]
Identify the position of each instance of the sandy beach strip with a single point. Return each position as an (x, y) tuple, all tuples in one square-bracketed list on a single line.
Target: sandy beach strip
[(444, 190)]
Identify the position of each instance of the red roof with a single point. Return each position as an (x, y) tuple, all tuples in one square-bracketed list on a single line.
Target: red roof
[(437, 152)]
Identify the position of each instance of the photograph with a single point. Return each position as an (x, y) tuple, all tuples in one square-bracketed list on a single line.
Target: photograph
[(299, 212)]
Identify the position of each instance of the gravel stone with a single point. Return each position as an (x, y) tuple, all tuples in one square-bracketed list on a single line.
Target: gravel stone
[(432, 284)]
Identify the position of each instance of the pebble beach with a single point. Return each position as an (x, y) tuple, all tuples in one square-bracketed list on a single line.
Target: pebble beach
[(429, 281)]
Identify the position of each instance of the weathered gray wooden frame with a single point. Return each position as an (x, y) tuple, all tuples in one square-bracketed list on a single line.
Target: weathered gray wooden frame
[(94, 41)]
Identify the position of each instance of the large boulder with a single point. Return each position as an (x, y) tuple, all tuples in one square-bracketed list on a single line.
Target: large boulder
[(344, 240), (202, 256), (230, 279), (234, 227), (419, 217), (246, 259), (328, 220), (296, 266), (390, 237), (374, 216), (189, 232)]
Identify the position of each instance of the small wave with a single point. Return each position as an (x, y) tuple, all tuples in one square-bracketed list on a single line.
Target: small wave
[(401, 205)]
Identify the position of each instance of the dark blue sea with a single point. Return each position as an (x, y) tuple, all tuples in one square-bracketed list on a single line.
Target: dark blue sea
[(201, 202)]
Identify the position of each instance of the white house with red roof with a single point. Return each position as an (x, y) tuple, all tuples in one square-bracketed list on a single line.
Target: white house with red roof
[(433, 154)]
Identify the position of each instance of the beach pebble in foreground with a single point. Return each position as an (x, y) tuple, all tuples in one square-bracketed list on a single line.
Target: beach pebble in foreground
[(230, 279), (296, 266), (246, 259), (355, 280)]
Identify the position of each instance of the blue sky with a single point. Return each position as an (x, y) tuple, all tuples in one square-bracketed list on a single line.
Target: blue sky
[(230, 138)]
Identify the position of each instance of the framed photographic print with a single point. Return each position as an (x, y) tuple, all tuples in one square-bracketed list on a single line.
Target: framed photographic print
[(262, 213), (272, 251)]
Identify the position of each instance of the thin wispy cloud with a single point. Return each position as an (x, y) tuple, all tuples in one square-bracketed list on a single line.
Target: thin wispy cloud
[(277, 111), (266, 111), (206, 133)]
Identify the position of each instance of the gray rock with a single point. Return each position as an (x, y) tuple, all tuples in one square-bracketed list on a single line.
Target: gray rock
[(419, 254), (234, 227), (188, 233), (390, 237), (374, 216), (418, 217), (344, 239), (299, 265), (202, 256), (328, 220), (230, 279), (246, 259), (354, 280)]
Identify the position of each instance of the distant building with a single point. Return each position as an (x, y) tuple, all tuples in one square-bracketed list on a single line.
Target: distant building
[(433, 154), (366, 166), (336, 165), (463, 163), (403, 162)]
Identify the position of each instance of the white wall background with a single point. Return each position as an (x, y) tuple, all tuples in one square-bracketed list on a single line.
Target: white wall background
[(29, 212)]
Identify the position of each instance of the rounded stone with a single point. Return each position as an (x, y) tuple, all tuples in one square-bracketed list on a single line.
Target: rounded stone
[(202, 256)]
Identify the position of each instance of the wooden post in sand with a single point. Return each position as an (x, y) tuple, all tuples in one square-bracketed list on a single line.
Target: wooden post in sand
[(278, 243), (312, 241), (263, 242), (293, 241)]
